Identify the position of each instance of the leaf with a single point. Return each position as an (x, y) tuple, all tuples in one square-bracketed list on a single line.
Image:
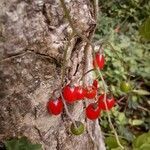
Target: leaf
[(122, 118), (35, 147), (144, 29), (142, 139), (135, 122), (145, 147), (141, 92), (21, 144), (112, 143), (12, 144), (118, 148), (125, 132)]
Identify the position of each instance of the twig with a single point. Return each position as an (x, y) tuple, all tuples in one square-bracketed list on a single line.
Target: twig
[(65, 57), (11, 57), (145, 109), (122, 98)]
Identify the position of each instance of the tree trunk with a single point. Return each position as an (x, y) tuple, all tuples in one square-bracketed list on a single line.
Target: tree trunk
[(34, 34)]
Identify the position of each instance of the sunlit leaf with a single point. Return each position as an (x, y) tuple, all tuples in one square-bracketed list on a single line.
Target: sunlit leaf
[(135, 122), (142, 139), (141, 92), (145, 29)]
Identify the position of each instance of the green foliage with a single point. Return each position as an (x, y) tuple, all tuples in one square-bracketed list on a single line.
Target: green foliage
[(141, 92), (145, 29), (142, 142), (128, 61), (21, 144), (112, 143)]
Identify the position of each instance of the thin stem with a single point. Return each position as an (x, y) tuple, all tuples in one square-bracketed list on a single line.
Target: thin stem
[(107, 134), (112, 48), (91, 136), (65, 57), (108, 115), (145, 109), (67, 111), (122, 98), (72, 25), (86, 73), (17, 55)]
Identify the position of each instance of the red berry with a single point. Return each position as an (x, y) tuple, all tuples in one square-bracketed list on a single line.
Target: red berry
[(80, 92), (95, 84), (55, 106), (69, 93), (90, 92), (110, 101), (93, 111), (99, 61)]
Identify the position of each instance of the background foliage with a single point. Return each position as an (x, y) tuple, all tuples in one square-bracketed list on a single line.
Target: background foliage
[(119, 24)]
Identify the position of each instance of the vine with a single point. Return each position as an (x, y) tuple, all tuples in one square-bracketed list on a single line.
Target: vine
[(92, 46)]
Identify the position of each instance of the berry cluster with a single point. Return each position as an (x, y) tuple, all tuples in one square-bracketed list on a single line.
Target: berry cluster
[(73, 93)]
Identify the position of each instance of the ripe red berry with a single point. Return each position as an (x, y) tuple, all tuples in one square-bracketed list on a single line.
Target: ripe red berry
[(110, 101), (95, 84), (93, 111), (69, 93), (90, 92), (55, 106), (99, 61), (80, 92)]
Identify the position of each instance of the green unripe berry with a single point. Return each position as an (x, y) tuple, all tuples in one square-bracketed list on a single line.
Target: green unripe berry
[(125, 86), (77, 130)]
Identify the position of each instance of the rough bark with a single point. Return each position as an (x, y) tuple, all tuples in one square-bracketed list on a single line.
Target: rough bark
[(33, 36)]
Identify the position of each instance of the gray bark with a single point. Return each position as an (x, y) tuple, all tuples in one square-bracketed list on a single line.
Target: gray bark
[(33, 36)]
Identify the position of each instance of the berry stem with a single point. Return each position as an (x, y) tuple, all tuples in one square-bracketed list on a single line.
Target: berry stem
[(67, 111), (91, 136), (86, 74), (64, 59), (108, 115)]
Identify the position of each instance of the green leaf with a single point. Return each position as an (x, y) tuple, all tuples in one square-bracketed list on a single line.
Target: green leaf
[(112, 143), (142, 139), (35, 147), (145, 147), (122, 118), (135, 122), (12, 144), (144, 29), (118, 148), (21, 144), (141, 92)]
